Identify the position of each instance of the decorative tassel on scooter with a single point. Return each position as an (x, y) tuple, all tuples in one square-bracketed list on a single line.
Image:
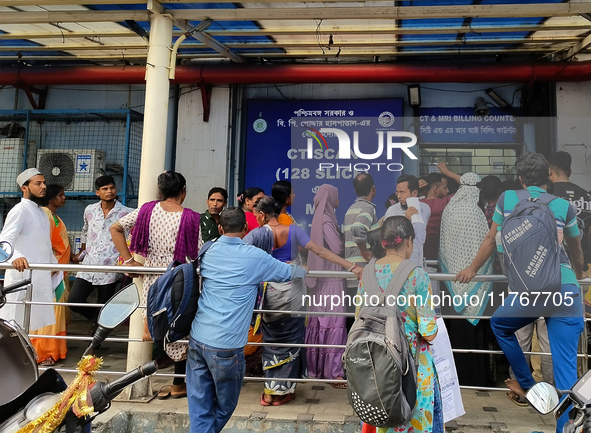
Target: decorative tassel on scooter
[(76, 396)]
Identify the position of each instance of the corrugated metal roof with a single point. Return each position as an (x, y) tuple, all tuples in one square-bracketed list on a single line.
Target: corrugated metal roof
[(51, 32)]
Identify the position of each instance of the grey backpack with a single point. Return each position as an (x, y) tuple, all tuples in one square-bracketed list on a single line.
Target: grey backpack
[(531, 247), (381, 372)]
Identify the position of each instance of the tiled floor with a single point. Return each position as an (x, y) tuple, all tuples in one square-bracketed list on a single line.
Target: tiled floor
[(318, 403)]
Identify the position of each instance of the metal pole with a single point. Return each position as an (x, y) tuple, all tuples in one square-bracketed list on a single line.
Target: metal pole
[(27, 308), (152, 164)]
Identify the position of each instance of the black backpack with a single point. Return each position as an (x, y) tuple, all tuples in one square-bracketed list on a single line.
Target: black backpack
[(381, 372), (173, 300), (531, 247)]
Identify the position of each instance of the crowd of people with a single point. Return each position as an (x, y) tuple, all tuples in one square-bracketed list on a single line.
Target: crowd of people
[(259, 258)]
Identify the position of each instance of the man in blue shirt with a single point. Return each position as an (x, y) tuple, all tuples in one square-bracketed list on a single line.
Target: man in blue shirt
[(563, 312), (231, 272)]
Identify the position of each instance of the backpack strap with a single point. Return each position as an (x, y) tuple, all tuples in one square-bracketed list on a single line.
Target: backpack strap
[(524, 194), (204, 248), (398, 280), (546, 198), (370, 282)]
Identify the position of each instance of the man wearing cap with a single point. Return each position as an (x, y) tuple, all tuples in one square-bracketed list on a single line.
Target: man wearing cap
[(27, 229)]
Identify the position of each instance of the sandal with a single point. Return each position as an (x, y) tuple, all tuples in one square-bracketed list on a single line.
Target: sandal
[(286, 399), (338, 385), (263, 401), (164, 392), (47, 362), (178, 394), (517, 399), (514, 386)]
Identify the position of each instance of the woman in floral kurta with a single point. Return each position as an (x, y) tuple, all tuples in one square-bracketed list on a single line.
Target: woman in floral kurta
[(419, 324)]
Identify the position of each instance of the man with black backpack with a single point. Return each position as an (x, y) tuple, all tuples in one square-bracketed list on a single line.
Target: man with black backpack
[(560, 304), (231, 272)]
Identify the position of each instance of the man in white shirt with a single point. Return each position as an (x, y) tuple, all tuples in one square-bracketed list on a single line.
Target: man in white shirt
[(407, 187), (27, 229), (98, 248)]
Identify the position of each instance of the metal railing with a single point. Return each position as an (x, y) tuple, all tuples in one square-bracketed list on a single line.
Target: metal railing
[(315, 274)]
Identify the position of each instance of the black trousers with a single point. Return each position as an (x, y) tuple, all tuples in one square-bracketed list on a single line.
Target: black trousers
[(80, 291)]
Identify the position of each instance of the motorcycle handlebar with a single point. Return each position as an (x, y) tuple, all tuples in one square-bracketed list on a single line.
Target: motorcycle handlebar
[(113, 388), (7, 289), (102, 393)]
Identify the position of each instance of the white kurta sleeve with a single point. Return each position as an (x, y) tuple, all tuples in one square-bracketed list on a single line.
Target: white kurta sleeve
[(12, 229)]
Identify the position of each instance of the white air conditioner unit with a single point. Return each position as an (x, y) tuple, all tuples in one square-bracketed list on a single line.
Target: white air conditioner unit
[(74, 169), (12, 153)]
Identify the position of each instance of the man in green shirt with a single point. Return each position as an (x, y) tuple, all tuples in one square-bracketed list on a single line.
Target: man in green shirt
[(217, 198)]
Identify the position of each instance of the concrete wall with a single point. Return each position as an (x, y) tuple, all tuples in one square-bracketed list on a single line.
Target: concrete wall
[(79, 97), (203, 148), (205, 151), (573, 105)]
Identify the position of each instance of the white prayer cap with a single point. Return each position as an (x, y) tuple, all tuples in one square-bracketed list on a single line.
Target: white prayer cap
[(26, 175)]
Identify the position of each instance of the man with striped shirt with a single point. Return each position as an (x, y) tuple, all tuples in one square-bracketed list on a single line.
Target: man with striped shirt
[(359, 219), (563, 313)]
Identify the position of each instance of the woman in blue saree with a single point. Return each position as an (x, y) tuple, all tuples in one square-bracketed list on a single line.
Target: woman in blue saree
[(284, 242)]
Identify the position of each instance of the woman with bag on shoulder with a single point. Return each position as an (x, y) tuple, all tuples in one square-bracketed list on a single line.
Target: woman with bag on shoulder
[(163, 231), (397, 235)]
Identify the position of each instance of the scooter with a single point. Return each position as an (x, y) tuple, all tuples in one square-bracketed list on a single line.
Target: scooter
[(545, 399), (26, 395)]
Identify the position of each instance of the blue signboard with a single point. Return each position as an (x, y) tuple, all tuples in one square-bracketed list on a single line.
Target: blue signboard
[(312, 142), (461, 125)]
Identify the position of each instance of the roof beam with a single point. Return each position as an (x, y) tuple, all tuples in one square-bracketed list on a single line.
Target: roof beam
[(386, 12), (578, 47), (294, 13), (306, 44), (20, 3), (198, 33), (302, 54), (303, 32), (74, 16)]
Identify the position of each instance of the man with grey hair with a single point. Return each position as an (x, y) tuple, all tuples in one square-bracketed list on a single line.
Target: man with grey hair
[(27, 229)]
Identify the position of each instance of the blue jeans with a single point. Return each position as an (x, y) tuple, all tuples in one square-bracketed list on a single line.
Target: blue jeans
[(564, 323), (214, 380)]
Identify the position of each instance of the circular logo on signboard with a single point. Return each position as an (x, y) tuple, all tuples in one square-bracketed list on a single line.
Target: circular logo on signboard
[(386, 119), (260, 125)]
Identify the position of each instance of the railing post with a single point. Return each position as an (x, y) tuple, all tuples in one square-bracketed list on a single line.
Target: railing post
[(27, 308), (152, 164)]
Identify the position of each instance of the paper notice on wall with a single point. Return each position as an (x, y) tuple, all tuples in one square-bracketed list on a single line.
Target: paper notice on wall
[(451, 398)]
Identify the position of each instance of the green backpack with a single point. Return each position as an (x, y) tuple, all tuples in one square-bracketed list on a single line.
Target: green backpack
[(381, 372)]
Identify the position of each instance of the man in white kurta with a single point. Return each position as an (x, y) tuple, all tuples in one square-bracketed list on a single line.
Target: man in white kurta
[(27, 229)]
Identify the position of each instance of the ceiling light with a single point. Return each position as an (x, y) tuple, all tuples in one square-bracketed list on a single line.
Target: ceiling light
[(501, 103)]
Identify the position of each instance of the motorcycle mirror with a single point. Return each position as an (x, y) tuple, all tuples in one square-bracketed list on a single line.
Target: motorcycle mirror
[(113, 313), (6, 251), (543, 397), (119, 307)]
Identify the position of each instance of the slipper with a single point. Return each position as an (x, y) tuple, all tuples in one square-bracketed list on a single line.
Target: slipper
[(177, 394), (286, 399), (517, 399), (47, 362), (164, 392), (263, 402)]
